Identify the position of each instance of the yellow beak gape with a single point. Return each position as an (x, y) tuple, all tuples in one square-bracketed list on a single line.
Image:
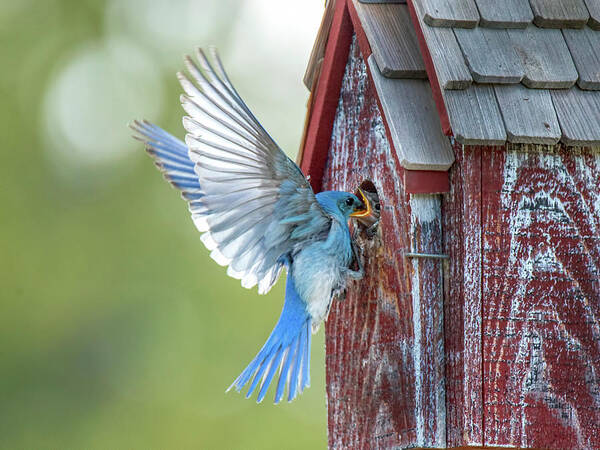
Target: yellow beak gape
[(363, 212)]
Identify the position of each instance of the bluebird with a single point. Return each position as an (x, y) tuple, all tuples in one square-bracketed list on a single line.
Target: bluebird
[(258, 215)]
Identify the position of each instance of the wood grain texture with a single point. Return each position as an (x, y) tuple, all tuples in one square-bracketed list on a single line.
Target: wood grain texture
[(490, 55), (545, 56), (430, 68), (318, 50), (511, 14), (559, 14), (324, 100), (579, 115), (593, 7), (450, 13), (421, 146), (584, 46), (446, 56), (392, 39), (462, 309), (373, 364), (528, 114), (541, 291), (475, 116)]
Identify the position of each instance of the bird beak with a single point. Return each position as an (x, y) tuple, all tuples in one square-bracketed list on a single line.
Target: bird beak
[(368, 208)]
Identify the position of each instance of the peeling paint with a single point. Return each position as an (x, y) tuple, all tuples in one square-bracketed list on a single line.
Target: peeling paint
[(384, 373)]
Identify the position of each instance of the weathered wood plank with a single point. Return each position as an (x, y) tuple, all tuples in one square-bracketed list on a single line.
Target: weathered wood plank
[(593, 7), (462, 309), (324, 99), (559, 14), (579, 115), (474, 116), (541, 285), (318, 50), (370, 336), (450, 13), (422, 145), (447, 58), (545, 56), (511, 14), (392, 39), (528, 114), (428, 320), (585, 51), (490, 55)]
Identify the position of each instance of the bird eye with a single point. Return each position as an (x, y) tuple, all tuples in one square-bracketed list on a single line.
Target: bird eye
[(349, 201)]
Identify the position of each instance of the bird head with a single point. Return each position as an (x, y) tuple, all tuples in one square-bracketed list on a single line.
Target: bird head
[(352, 206)]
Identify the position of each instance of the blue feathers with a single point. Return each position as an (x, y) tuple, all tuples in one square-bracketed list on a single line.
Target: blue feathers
[(256, 212), (287, 351), (171, 156)]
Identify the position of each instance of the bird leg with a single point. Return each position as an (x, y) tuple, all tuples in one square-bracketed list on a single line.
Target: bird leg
[(355, 274)]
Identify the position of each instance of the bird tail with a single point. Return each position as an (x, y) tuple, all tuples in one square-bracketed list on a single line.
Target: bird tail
[(287, 349)]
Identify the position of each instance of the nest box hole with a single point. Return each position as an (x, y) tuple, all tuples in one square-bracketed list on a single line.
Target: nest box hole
[(369, 222)]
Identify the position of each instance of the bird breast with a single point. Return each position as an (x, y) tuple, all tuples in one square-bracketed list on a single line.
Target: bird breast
[(319, 269)]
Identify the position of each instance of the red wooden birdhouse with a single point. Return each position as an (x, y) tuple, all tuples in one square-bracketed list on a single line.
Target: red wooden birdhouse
[(478, 123)]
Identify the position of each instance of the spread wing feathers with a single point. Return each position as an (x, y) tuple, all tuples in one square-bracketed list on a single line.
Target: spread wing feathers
[(258, 205), (287, 352), (171, 157)]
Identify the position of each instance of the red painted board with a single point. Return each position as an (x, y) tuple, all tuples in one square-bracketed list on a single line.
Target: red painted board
[(429, 67), (426, 181), (361, 37), (462, 307), (541, 290), (325, 102)]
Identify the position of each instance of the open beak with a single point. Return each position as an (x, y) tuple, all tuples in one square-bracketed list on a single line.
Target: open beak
[(367, 211)]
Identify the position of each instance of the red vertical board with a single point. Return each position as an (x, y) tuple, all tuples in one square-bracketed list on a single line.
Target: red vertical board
[(462, 312), (541, 285), (325, 101)]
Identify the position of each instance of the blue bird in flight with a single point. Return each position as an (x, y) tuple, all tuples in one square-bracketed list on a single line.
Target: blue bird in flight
[(258, 214)]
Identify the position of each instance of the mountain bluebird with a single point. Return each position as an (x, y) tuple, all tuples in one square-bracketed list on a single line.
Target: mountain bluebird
[(258, 214)]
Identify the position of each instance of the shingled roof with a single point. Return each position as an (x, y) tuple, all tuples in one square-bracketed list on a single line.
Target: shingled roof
[(510, 70), (516, 71)]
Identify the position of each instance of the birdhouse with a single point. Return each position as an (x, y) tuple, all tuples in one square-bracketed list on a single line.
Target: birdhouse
[(478, 124)]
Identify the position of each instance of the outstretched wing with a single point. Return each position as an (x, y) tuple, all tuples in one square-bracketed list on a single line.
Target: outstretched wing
[(254, 205), (171, 157)]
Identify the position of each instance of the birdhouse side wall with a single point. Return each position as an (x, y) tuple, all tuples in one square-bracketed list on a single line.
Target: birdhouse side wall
[(522, 309), (384, 362)]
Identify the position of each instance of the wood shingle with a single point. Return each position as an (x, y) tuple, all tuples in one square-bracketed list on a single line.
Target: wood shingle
[(584, 46), (528, 114), (475, 116), (577, 112), (512, 14), (545, 56), (421, 146), (447, 58), (559, 13), (392, 39), (450, 13), (490, 55)]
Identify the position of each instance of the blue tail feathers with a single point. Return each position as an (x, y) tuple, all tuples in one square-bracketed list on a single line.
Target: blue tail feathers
[(286, 349)]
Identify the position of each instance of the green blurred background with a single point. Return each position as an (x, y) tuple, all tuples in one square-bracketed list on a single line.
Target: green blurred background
[(116, 328)]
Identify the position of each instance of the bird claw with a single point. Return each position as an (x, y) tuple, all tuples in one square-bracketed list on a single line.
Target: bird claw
[(355, 274)]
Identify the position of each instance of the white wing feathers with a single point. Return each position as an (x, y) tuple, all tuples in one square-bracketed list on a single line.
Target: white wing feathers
[(257, 205)]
